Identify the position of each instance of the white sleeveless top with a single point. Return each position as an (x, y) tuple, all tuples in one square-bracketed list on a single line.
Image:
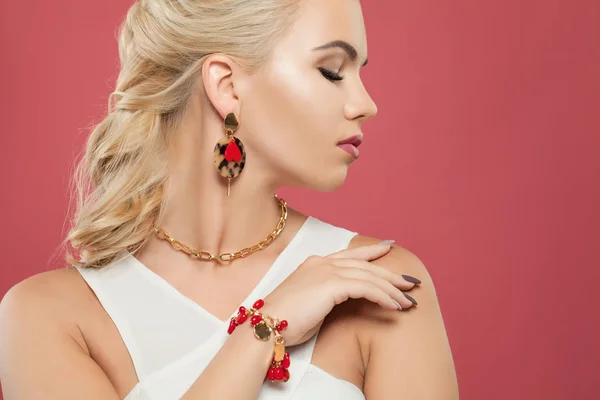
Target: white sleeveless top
[(171, 338)]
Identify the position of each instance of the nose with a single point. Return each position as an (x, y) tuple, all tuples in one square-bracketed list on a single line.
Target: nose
[(360, 106)]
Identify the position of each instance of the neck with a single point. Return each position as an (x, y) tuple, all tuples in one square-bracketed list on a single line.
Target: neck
[(198, 211)]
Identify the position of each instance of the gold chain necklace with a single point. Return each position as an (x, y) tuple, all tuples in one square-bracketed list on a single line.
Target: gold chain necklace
[(206, 256)]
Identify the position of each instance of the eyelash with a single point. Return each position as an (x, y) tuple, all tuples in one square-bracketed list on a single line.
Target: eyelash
[(332, 76)]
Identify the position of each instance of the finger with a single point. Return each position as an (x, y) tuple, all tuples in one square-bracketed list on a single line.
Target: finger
[(359, 289), (370, 277), (396, 279), (369, 252)]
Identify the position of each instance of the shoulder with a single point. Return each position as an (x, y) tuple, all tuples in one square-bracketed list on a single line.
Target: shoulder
[(42, 343), (399, 260), (408, 349), (48, 300), (48, 289)]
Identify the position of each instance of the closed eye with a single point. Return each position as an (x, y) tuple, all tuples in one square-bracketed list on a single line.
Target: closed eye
[(330, 75)]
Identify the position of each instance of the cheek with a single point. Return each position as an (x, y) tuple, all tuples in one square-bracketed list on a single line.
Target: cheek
[(292, 116), (291, 102)]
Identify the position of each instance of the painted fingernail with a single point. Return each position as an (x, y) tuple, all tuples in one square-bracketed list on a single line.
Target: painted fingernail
[(397, 304), (411, 279), (386, 242), (411, 299)]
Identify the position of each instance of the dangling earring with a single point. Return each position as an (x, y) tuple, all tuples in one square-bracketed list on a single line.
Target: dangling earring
[(230, 156)]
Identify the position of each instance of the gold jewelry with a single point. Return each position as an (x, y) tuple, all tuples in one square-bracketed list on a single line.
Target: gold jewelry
[(264, 326), (206, 256), (263, 330)]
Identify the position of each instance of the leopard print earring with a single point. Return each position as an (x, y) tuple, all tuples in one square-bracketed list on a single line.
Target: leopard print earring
[(230, 156)]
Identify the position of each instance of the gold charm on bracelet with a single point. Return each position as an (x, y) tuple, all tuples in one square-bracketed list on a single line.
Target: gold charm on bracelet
[(279, 350), (262, 331)]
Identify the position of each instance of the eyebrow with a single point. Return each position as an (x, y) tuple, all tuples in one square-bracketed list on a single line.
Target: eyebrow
[(342, 44)]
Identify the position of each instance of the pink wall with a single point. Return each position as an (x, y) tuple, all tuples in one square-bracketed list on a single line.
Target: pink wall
[(493, 113)]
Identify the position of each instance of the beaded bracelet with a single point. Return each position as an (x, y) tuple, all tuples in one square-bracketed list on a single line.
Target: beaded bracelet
[(263, 327)]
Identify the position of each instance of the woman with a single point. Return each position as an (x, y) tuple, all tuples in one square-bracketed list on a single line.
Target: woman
[(217, 105)]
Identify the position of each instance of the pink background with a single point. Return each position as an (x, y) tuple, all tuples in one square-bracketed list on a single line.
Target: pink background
[(483, 161)]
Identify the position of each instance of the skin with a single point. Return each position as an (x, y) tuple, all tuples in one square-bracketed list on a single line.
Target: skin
[(291, 117)]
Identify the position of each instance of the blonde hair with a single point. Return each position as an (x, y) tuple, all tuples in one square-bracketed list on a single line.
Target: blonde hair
[(118, 183)]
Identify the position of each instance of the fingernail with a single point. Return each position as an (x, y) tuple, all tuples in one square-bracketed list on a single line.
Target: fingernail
[(397, 304), (386, 242), (411, 299), (411, 279)]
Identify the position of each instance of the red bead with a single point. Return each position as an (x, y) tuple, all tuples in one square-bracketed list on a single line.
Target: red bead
[(232, 326), (286, 355), (233, 152), (279, 328), (271, 374), (278, 374), (286, 375), (255, 319), (258, 304), (283, 324), (285, 363), (242, 310), (242, 318)]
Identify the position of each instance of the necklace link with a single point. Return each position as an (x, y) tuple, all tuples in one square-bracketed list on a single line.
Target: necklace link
[(245, 252)]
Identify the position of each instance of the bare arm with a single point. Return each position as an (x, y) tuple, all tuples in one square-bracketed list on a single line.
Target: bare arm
[(40, 358), (410, 356), (238, 370)]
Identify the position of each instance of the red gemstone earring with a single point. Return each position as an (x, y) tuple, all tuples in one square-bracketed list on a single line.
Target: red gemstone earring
[(230, 156)]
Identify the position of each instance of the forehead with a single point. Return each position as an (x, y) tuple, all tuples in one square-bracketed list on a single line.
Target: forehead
[(322, 21)]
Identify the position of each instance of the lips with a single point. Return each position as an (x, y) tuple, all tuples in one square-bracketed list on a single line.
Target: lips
[(355, 140)]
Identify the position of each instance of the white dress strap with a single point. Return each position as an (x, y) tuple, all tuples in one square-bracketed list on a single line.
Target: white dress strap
[(97, 280)]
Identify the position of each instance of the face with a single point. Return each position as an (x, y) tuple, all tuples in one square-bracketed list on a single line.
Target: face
[(305, 101)]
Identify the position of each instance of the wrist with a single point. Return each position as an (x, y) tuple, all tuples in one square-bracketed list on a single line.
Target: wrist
[(265, 327)]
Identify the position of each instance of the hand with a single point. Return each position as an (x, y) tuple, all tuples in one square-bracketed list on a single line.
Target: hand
[(306, 296)]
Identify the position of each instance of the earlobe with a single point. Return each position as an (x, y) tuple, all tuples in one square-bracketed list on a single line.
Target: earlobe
[(218, 73)]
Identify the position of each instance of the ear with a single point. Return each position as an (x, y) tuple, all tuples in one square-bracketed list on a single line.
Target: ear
[(219, 74)]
